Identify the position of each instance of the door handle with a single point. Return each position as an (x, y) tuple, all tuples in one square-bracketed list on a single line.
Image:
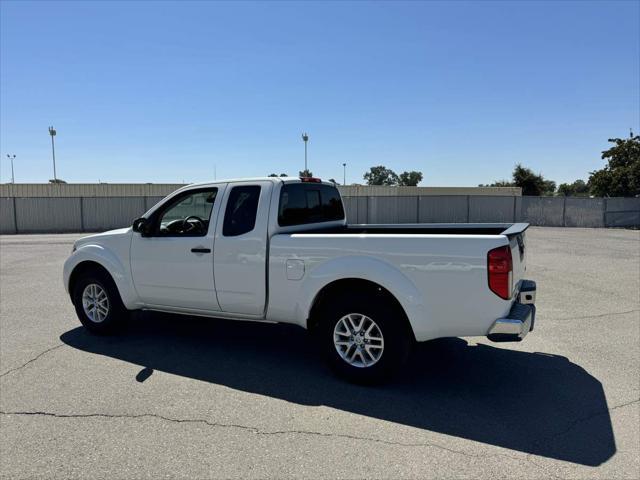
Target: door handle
[(201, 250)]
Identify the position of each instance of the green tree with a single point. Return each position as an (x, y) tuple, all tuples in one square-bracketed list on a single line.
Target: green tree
[(306, 173), (579, 188), (499, 183), (621, 176), (531, 183), (281, 175), (410, 179), (381, 175)]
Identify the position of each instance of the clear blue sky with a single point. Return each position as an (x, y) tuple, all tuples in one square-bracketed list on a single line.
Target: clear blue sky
[(163, 91)]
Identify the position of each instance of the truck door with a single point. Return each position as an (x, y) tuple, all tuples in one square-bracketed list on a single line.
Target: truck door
[(240, 257), (172, 265)]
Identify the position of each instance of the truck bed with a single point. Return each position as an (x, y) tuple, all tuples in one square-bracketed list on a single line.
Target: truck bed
[(438, 272), (427, 229)]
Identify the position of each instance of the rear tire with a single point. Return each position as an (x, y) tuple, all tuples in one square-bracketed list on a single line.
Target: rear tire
[(364, 339), (98, 303)]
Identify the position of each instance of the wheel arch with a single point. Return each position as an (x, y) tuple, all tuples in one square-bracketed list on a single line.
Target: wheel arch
[(91, 257), (337, 287), (84, 267)]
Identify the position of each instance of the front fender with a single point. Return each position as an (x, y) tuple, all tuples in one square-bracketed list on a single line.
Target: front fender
[(109, 260), (365, 268)]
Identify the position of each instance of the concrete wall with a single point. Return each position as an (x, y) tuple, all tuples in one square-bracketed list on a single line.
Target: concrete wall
[(107, 213), (48, 215), (621, 212), (69, 214), (392, 209), (7, 215), (443, 209), (492, 209), (584, 212), (76, 214), (543, 211)]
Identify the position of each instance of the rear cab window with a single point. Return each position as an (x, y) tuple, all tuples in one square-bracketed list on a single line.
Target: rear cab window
[(241, 211), (304, 203)]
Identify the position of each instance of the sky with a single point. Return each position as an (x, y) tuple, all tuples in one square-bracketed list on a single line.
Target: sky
[(191, 91)]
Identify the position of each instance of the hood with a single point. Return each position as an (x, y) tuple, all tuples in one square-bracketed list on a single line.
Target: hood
[(104, 237)]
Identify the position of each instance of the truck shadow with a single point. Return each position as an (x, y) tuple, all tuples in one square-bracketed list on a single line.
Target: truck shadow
[(530, 402)]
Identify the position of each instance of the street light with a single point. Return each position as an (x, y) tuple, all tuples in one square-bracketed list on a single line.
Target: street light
[(305, 139), (344, 174), (52, 132), (12, 157)]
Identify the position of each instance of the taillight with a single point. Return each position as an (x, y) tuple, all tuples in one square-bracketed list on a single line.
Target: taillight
[(500, 271), (310, 180)]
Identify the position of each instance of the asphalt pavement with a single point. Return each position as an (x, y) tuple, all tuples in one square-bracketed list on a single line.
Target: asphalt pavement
[(183, 397)]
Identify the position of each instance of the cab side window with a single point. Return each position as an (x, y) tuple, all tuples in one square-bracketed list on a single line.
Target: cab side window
[(241, 211), (187, 215)]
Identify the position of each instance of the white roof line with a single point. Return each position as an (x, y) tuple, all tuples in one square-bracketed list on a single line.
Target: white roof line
[(252, 179)]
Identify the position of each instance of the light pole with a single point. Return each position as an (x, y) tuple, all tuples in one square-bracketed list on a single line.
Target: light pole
[(52, 132), (305, 139), (12, 157), (344, 174)]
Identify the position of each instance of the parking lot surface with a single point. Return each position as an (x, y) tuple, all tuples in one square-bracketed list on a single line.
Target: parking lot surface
[(183, 397)]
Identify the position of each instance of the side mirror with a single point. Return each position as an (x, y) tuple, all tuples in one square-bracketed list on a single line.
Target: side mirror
[(140, 225)]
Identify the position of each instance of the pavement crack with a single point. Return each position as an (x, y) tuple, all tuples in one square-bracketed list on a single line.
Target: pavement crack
[(257, 431), (580, 420), (48, 350)]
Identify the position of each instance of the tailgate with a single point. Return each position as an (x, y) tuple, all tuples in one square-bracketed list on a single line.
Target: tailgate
[(517, 241)]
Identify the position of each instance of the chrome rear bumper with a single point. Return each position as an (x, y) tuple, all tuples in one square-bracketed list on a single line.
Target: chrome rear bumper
[(521, 318)]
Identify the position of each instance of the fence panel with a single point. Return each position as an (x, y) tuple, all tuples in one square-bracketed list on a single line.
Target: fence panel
[(622, 212), (69, 214), (48, 215), (106, 213), (7, 216), (543, 211), (351, 208), (443, 209), (363, 209), (584, 212), (491, 209), (518, 209), (392, 210)]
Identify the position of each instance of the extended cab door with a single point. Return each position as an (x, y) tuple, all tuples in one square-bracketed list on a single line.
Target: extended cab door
[(172, 265), (240, 258)]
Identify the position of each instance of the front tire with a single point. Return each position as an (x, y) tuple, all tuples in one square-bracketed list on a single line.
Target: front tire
[(98, 303), (365, 340)]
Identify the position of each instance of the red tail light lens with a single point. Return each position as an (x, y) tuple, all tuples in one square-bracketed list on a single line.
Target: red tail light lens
[(500, 271), (310, 180)]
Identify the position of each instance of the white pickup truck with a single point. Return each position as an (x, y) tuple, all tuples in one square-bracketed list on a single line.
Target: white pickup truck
[(280, 250)]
